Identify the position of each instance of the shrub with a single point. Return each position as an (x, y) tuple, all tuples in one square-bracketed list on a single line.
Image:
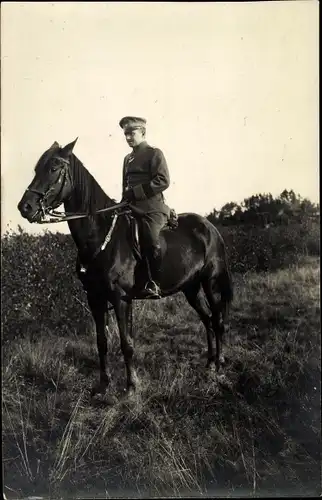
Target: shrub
[(268, 249), (39, 284)]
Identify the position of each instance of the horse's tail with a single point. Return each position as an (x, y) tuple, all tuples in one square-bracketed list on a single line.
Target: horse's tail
[(227, 289), (221, 278), (222, 283)]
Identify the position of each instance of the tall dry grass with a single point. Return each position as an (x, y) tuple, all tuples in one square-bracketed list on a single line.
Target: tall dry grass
[(254, 430)]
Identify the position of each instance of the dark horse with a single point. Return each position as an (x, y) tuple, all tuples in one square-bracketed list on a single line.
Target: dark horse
[(194, 261)]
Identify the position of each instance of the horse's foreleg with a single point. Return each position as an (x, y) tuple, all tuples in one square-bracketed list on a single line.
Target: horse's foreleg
[(98, 308), (106, 320), (123, 312)]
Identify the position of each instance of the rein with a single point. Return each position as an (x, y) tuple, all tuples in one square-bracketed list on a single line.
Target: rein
[(53, 216)]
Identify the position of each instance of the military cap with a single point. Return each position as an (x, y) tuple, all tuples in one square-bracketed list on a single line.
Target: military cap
[(132, 122)]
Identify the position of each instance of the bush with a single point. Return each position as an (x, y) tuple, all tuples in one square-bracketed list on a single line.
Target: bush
[(39, 284), (39, 281), (268, 249)]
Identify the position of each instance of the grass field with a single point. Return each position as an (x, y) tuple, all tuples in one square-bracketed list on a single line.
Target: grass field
[(255, 431)]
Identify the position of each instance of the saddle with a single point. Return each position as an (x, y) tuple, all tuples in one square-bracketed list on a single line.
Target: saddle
[(172, 224)]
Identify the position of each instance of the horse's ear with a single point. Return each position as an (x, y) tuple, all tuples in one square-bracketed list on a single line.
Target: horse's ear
[(54, 145), (68, 149)]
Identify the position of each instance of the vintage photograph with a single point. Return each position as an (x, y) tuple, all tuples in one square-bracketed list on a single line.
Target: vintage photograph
[(160, 246)]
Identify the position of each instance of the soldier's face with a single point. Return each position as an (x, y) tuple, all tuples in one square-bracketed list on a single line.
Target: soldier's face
[(134, 137)]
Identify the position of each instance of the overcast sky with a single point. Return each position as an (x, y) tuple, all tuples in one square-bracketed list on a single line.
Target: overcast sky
[(229, 91)]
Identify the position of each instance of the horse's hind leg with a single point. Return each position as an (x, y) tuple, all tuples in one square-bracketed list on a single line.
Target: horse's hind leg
[(195, 298), (218, 309)]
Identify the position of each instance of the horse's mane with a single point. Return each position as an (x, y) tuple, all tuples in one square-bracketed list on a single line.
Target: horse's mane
[(89, 191)]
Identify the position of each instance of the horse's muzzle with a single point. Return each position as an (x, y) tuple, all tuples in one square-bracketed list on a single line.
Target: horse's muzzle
[(29, 211)]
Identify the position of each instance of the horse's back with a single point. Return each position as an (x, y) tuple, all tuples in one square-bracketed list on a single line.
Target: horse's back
[(194, 226), (195, 235)]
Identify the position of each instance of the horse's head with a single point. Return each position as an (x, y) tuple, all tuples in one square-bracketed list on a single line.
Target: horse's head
[(51, 185)]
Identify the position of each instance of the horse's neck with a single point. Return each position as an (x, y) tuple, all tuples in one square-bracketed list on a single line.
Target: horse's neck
[(87, 197)]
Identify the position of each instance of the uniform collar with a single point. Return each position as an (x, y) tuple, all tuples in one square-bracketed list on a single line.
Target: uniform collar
[(140, 147)]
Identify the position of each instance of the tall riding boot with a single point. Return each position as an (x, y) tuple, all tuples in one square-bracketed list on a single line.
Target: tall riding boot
[(152, 288), (155, 262)]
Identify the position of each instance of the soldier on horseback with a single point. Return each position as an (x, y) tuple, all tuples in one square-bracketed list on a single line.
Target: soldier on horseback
[(145, 177)]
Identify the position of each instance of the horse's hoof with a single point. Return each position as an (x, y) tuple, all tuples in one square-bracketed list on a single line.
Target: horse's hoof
[(224, 382), (101, 388), (131, 392), (133, 389), (222, 360), (210, 365), (222, 378), (95, 391)]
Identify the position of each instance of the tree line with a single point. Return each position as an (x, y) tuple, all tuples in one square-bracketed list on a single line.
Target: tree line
[(265, 210)]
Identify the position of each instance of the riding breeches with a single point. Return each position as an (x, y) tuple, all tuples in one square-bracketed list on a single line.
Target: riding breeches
[(150, 226)]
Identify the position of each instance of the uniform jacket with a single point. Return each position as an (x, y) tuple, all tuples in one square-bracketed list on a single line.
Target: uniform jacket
[(145, 171)]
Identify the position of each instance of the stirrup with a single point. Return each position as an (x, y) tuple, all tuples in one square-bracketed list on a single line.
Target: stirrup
[(154, 289), (148, 293)]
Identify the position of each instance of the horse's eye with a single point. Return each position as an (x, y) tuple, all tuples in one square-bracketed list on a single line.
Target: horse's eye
[(55, 165)]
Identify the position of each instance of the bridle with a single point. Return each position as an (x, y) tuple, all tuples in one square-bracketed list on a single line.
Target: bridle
[(49, 215), (64, 174)]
